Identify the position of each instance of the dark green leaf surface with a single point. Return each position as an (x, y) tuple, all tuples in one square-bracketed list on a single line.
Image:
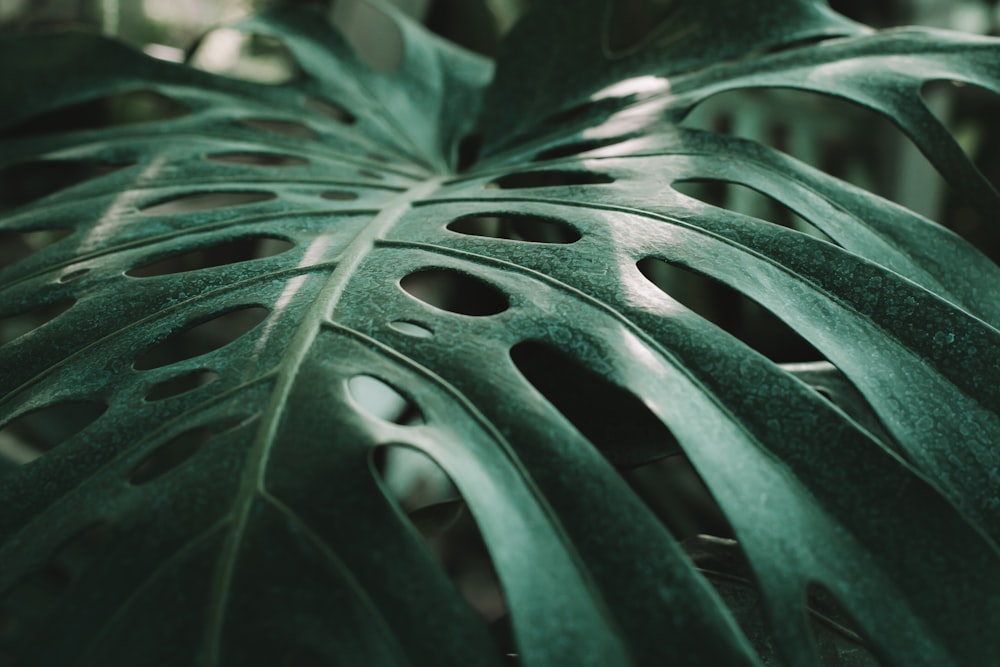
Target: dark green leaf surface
[(235, 484)]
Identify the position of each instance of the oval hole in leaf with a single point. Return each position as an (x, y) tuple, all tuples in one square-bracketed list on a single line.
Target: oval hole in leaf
[(16, 245), (838, 137), (259, 159), (181, 384), (724, 564), (830, 383), (575, 148), (634, 23), (967, 111), (201, 337), (29, 435), (204, 201), (124, 108), (220, 254), (24, 182), (611, 417), (339, 195), (674, 491), (516, 227), (381, 400), (15, 326), (455, 292), (748, 201), (286, 128), (245, 56), (730, 310), (331, 110), (411, 329), (835, 633), (169, 455), (549, 179), (427, 497)]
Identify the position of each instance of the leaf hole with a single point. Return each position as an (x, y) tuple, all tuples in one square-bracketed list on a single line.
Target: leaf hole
[(286, 128), (575, 148), (549, 179), (674, 491), (244, 56), (181, 385), (24, 182), (436, 510), (516, 227), (117, 109), (32, 433), (14, 326), (723, 563), (381, 400), (17, 245), (411, 329), (830, 383), (258, 159), (330, 110), (339, 195), (221, 254), (204, 201), (201, 337), (170, 455), (748, 201), (729, 310), (455, 292), (616, 421), (835, 633), (841, 138), (966, 109)]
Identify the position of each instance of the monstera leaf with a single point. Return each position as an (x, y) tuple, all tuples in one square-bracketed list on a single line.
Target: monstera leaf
[(248, 299)]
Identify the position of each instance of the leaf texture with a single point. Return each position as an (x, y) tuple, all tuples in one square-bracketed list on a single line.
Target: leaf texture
[(234, 480)]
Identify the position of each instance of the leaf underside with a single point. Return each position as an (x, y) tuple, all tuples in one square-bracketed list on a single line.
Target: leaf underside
[(223, 275)]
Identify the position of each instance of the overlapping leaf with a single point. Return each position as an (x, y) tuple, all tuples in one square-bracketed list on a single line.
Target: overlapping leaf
[(241, 520)]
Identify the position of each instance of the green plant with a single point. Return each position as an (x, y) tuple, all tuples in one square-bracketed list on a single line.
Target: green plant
[(492, 260)]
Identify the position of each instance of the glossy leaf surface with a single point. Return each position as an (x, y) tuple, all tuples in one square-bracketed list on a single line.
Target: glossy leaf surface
[(262, 286)]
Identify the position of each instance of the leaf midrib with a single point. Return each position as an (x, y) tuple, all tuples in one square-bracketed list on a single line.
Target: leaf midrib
[(256, 462)]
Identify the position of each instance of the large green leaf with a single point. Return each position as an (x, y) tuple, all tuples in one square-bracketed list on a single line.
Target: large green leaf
[(511, 304)]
